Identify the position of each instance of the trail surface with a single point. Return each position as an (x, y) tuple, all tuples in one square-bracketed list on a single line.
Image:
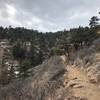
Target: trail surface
[(80, 85)]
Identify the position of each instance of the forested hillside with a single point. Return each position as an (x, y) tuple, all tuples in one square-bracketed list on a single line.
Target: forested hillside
[(22, 49)]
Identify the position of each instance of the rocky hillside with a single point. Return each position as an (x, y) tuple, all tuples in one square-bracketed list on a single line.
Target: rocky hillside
[(58, 79)]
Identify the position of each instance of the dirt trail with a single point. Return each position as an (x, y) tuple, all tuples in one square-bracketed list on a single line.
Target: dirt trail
[(80, 85)]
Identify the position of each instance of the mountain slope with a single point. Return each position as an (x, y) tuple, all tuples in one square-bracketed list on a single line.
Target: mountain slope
[(56, 79)]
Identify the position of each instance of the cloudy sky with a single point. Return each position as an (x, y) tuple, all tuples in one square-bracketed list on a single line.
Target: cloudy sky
[(47, 15)]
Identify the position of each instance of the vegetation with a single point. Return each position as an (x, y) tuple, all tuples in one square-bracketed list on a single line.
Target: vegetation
[(30, 47)]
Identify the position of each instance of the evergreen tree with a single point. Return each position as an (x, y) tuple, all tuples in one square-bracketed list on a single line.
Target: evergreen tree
[(94, 21)]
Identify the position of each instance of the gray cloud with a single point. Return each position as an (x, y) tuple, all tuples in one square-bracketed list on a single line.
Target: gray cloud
[(47, 15)]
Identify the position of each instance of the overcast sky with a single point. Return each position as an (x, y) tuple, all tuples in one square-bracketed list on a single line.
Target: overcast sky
[(47, 15)]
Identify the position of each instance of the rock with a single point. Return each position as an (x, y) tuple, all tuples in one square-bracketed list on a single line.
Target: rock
[(78, 86), (93, 80), (71, 83)]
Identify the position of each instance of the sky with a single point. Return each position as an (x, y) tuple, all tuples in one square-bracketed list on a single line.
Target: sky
[(47, 15)]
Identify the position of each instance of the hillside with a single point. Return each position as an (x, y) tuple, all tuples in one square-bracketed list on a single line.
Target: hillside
[(49, 50), (82, 84), (55, 79)]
